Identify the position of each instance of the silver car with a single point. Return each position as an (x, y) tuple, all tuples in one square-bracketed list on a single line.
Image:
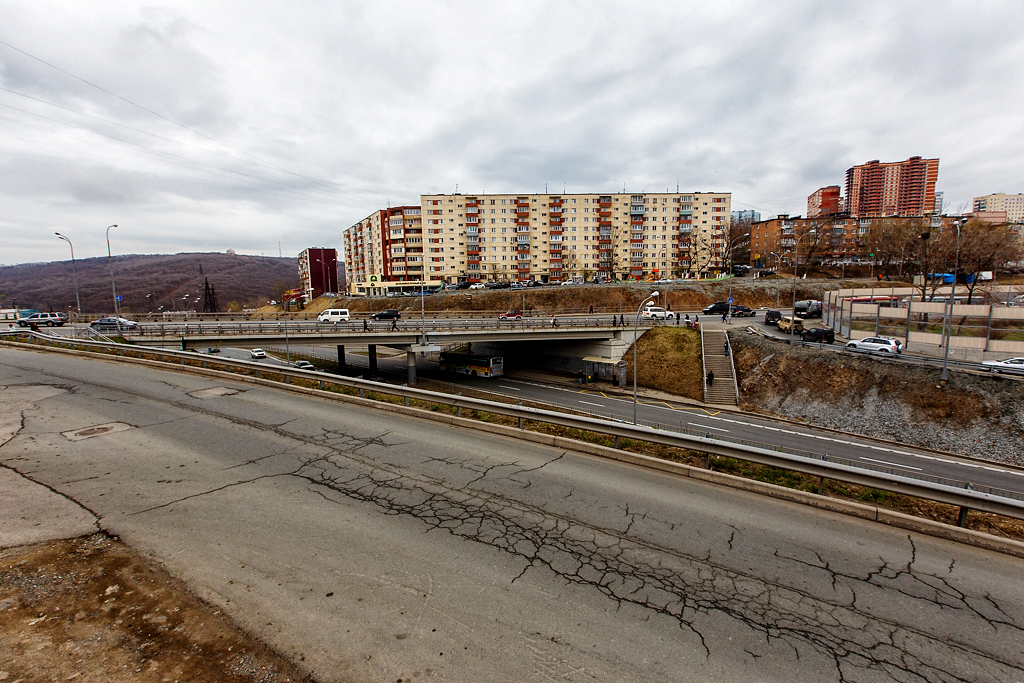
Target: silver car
[(1011, 365), (878, 344)]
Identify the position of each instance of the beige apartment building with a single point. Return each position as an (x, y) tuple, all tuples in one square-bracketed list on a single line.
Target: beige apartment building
[(1010, 204), (542, 237)]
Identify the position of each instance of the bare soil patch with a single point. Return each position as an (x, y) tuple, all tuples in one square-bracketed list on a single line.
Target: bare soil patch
[(89, 609), (670, 361)]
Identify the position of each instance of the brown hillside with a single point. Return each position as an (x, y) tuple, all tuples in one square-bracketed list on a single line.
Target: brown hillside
[(248, 280)]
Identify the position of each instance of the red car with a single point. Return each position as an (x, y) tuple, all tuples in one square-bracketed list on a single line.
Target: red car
[(514, 314)]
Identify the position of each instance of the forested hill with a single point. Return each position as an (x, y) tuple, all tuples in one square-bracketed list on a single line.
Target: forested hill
[(169, 278)]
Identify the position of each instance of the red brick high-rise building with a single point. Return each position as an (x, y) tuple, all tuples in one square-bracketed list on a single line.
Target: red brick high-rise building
[(899, 188), (824, 202)]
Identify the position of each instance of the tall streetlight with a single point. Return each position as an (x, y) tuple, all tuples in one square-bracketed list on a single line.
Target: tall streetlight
[(636, 340), (778, 266), (952, 299), (113, 287), (74, 270)]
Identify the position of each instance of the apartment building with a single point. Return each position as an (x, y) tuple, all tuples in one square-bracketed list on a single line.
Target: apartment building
[(899, 188), (1011, 204), (386, 246), (318, 272), (555, 237), (824, 201)]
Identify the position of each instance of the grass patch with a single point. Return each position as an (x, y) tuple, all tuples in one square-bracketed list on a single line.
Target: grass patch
[(670, 361)]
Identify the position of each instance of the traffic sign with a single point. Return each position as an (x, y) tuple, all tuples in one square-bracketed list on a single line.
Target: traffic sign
[(730, 299), (118, 297)]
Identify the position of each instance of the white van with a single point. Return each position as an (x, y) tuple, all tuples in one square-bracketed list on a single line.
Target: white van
[(333, 315)]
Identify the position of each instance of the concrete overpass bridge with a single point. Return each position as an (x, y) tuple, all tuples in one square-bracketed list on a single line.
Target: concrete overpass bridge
[(582, 337)]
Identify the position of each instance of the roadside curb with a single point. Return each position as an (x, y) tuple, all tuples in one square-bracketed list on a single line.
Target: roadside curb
[(866, 512)]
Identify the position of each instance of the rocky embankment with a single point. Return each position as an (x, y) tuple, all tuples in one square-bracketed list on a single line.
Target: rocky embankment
[(976, 415)]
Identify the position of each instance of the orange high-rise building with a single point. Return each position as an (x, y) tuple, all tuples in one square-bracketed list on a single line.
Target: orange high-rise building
[(899, 188), (824, 202)]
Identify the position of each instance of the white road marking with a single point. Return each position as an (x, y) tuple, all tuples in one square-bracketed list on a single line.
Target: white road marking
[(599, 405), (505, 386), (893, 464), (717, 429)]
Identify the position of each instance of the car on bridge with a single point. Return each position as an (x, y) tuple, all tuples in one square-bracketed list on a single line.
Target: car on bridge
[(1011, 365), (44, 319), (258, 353), (387, 314), (656, 313), (879, 344), (511, 314), (113, 324)]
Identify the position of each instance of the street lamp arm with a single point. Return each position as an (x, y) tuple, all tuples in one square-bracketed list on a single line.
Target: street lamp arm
[(636, 340)]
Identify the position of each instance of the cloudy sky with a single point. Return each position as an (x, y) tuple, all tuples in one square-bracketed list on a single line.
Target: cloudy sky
[(204, 126)]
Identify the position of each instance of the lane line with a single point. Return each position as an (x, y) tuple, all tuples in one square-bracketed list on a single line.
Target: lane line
[(717, 429), (892, 464), (505, 386), (599, 405)]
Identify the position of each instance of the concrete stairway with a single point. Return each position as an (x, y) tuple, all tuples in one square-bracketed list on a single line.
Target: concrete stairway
[(723, 392)]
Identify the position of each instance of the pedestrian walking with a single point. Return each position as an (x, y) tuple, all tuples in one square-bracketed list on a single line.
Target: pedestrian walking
[(677, 319), (554, 321), (579, 378), (394, 324), (591, 309), (614, 321), (711, 378), (622, 321), (727, 347), (366, 326), (723, 317)]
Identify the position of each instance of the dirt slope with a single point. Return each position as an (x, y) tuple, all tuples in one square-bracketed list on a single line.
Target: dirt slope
[(974, 415)]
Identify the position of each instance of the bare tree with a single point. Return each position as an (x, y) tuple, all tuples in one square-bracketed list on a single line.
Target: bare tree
[(891, 240), (985, 247), (737, 241), (570, 262)]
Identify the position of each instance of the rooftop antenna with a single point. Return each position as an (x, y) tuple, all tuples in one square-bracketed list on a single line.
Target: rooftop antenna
[(279, 254), (677, 184), (456, 188), (545, 188), (563, 187)]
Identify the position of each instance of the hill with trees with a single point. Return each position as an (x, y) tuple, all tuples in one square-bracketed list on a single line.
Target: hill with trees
[(158, 282)]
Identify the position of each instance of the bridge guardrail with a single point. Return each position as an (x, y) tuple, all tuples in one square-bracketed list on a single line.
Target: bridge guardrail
[(966, 495)]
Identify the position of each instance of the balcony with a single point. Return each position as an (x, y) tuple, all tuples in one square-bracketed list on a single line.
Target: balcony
[(635, 210)]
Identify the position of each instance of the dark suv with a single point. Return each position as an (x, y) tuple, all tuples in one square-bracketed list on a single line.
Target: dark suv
[(772, 317), (387, 314), (818, 335), (717, 308), (742, 311)]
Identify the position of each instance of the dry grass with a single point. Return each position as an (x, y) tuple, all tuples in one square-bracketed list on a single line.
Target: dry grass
[(670, 361)]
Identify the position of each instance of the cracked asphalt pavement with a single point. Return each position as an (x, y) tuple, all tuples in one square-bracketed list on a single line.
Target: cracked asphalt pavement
[(370, 546)]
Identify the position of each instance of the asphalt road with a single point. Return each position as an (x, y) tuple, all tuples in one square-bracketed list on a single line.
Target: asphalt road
[(870, 453), (370, 546)]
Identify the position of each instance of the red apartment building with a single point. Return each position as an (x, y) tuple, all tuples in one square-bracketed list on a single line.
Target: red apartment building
[(824, 201), (900, 188)]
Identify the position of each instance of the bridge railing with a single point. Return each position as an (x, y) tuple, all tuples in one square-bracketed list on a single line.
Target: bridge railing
[(967, 495), (405, 326)]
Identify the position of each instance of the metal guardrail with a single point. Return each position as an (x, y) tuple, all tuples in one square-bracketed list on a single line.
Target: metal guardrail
[(966, 495), (406, 326)]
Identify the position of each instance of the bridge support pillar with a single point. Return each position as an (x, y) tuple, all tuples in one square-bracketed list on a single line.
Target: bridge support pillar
[(341, 358), (410, 364), (371, 351)]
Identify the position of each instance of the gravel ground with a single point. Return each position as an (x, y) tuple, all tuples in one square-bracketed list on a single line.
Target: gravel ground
[(977, 415)]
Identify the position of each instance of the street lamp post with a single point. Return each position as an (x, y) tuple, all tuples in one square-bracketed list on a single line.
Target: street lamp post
[(952, 299), (113, 287), (74, 271), (796, 262), (636, 340), (778, 266)]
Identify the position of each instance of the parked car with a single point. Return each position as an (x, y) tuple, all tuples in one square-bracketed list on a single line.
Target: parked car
[(742, 311), (1011, 365), (819, 335), (655, 313), (664, 281), (113, 324), (44, 320), (568, 283), (304, 365), (333, 315), (772, 317), (387, 314), (879, 344), (787, 322), (511, 314), (717, 308), (478, 285), (258, 353)]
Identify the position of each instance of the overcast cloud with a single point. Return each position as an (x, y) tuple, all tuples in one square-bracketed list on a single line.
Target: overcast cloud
[(305, 117)]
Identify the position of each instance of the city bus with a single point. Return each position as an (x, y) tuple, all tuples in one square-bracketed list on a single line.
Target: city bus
[(469, 364)]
